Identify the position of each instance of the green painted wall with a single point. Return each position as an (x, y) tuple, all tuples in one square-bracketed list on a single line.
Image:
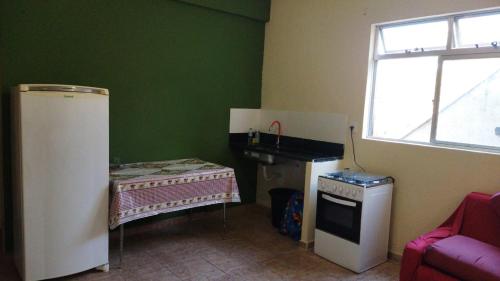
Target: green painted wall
[(173, 70), (254, 9)]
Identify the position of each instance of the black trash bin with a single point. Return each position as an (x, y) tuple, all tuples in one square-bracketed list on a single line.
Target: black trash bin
[(279, 199)]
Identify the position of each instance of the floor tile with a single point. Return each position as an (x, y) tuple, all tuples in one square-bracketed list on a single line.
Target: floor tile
[(195, 269), (199, 248)]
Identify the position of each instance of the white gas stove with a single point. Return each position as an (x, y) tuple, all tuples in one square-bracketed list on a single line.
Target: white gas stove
[(352, 219)]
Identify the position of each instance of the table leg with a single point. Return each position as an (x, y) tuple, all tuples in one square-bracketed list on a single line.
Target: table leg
[(190, 220), (121, 243), (224, 207)]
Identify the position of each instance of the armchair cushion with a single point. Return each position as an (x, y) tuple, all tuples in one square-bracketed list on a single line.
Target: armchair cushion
[(465, 258)]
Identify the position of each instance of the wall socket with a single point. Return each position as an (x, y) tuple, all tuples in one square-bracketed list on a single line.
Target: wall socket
[(354, 124)]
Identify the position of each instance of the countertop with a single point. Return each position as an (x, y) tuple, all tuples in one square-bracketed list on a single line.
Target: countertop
[(290, 147)]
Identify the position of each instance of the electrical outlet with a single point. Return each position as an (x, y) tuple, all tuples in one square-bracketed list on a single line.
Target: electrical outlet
[(354, 124)]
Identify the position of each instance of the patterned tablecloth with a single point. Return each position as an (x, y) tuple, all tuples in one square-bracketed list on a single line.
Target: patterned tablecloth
[(146, 189)]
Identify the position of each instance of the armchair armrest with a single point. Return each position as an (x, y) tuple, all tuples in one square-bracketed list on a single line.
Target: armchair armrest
[(414, 251)]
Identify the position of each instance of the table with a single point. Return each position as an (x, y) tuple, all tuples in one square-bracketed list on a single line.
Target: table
[(140, 190)]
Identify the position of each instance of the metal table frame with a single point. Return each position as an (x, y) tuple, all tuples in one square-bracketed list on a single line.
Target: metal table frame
[(122, 232)]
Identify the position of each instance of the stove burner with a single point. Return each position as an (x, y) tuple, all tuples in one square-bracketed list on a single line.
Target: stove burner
[(358, 178)]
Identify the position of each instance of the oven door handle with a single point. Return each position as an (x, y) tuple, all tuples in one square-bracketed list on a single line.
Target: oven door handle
[(338, 201)]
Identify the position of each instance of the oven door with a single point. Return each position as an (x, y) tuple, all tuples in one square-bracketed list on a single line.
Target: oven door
[(339, 216)]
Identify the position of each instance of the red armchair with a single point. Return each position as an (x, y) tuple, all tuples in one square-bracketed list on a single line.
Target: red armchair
[(465, 247)]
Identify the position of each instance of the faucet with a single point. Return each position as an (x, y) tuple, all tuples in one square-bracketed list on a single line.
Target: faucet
[(279, 131)]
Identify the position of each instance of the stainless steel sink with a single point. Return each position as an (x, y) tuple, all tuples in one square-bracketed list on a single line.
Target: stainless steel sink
[(259, 156)]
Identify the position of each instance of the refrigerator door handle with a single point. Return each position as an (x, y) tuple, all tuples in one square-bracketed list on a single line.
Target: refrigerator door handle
[(63, 88)]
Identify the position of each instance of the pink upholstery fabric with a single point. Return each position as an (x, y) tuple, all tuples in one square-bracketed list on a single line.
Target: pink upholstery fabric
[(426, 273), (414, 251), (465, 258), (474, 218), (495, 202), (480, 221)]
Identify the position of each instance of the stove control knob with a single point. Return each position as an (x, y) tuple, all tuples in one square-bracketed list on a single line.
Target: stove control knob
[(351, 194)]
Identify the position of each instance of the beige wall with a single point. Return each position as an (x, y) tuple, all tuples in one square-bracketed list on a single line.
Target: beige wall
[(316, 58)]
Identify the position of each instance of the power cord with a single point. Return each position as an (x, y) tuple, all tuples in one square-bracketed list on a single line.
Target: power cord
[(354, 150)]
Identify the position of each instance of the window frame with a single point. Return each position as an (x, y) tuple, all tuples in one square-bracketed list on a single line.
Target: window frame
[(451, 52), (466, 15), (380, 35), (437, 96)]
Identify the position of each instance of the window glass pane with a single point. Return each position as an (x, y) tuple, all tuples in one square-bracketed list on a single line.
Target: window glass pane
[(481, 30), (402, 102), (429, 36), (469, 106)]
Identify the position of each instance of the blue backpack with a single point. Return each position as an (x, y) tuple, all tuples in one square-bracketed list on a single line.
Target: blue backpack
[(291, 223)]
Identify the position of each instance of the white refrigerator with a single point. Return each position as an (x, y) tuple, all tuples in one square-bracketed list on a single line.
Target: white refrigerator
[(60, 182)]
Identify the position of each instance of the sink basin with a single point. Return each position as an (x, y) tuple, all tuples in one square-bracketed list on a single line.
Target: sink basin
[(268, 148), (267, 153), (259, 156), (290, 148)]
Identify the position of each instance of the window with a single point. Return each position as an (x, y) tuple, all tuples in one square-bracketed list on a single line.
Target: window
[(437, 81)]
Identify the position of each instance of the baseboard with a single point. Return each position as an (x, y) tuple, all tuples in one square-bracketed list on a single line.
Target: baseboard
[(394, 256), (306, 245)]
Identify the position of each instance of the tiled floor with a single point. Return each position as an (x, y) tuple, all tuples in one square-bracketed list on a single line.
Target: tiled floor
[(199, 250)]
